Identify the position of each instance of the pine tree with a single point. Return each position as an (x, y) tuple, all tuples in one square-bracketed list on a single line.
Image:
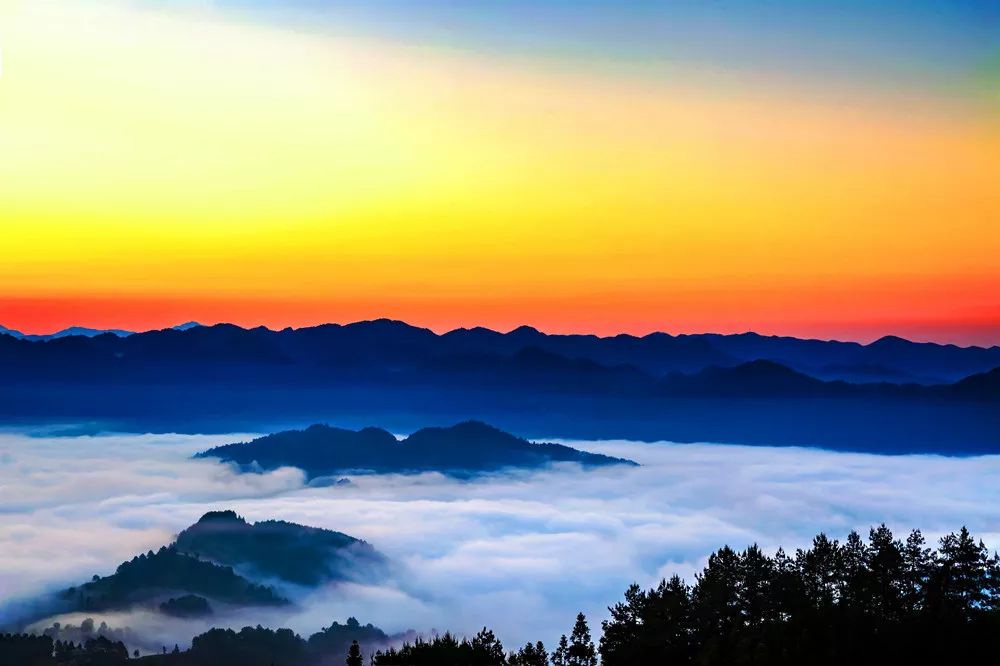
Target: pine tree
[(530, 655), (917, 566), (354, 655), (581, 651), (561, 655), (487, 647)]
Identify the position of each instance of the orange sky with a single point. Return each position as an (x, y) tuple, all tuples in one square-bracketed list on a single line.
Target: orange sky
[(158, 168)]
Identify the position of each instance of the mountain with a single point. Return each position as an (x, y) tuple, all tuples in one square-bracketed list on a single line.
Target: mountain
[(470, 447), (147, 578), (757, 378), (65, 333), (278, 549), (223, 559), (744, 388), (387, 342), (11, 332), (984, 386)]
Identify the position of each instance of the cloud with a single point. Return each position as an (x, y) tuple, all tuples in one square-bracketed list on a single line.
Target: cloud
[(521, 552)]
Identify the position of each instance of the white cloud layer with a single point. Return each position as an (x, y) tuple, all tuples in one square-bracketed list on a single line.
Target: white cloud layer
[(521, 552)]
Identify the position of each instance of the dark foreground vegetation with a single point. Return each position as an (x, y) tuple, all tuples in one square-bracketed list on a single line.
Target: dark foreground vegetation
[(877, 601)]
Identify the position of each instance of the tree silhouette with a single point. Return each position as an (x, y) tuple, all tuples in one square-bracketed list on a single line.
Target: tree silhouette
[(561, 655), (354, 655), (581, 650), (532, 654)]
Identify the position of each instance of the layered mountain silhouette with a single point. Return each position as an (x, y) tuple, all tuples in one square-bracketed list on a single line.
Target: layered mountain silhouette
[(149, 577), (224, 560), (278, 549), (892, 395), (470, 447), (64, 333)]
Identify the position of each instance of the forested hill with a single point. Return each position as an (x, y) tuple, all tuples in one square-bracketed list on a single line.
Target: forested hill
[(224, 560), (465, 448), (279, 549)]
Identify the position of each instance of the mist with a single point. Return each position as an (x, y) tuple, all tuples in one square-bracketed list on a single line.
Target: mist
[(521, 552)]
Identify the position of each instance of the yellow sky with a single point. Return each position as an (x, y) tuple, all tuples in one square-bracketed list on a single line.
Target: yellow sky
[(149, 154)]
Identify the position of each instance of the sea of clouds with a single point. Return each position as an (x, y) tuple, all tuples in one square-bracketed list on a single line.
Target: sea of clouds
[(521, 552)]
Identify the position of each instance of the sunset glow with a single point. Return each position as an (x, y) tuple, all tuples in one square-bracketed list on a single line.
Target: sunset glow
[(163, 165)]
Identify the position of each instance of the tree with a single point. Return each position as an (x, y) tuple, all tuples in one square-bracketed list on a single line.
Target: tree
[(561, 655), (962, 577), (354, 655), (581, 650), (917, 566), (487, 648), (530, 655), (651, 627)]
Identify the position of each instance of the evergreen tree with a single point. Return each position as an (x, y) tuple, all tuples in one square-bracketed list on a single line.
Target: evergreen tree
[(354, 655), (561, 655), (532, 654), (487, 648), (581, 651), (917, 566)]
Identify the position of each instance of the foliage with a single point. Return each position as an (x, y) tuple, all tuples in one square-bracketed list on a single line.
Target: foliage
[(168, 569), (880, 601), (483, 650), (189, 605)]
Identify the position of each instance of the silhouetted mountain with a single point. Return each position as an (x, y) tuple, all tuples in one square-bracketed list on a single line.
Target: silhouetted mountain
[(393, 343), (469, 447), (984, 386), (699, 387), (922, 362), (756, 378), (64, 333), (11, 332), (220, 559), (151, 576), (275, 548)]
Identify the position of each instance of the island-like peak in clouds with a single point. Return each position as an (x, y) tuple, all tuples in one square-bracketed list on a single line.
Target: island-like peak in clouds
[(466, 448), (225, 561), (279, 549)]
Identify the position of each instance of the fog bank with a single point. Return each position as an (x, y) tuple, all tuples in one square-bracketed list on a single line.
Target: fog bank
[(521, 552)]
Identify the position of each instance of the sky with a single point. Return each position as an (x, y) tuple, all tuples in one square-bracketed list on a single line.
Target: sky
[(824, 169), (521, 552)]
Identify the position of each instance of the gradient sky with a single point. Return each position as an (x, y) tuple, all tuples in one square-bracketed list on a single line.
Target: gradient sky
[(826, 168)]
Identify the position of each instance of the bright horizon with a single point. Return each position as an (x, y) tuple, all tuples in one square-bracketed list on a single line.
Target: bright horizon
[(825, 172)]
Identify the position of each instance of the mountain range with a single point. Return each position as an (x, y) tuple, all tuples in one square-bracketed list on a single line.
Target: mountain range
[(81, 331), (891, 395), (466, 448)]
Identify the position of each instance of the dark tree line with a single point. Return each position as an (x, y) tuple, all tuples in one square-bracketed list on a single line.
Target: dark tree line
[(31, 650), (880, 601), (876, 601)]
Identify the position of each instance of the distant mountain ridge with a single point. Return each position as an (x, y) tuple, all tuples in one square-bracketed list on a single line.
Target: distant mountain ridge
[(741, 388), (64, 333), (465, 448), (81, 331), (890, 358)]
